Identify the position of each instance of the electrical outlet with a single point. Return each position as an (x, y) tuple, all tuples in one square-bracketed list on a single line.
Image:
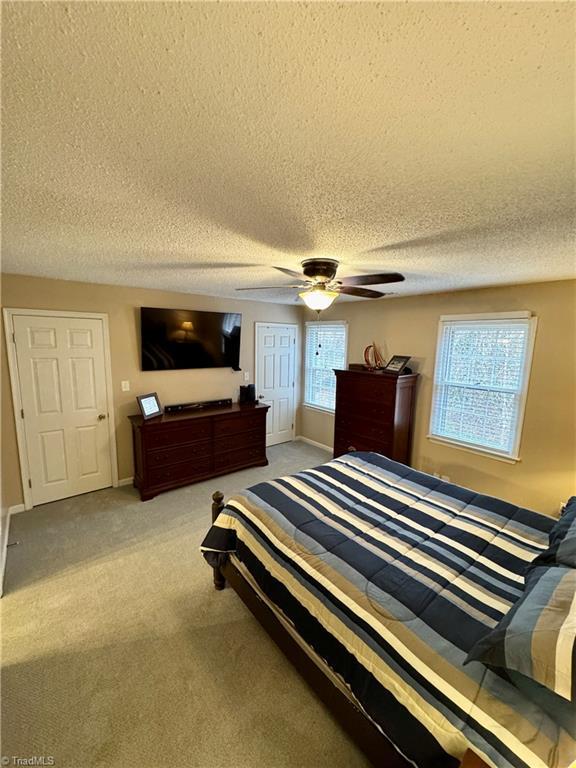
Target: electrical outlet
[(125, 386), (246, 375)]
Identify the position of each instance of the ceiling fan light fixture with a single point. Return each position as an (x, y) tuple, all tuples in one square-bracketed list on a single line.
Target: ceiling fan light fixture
[(318, 297)]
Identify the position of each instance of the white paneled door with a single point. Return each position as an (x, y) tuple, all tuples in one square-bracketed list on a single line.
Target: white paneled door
[(276, 378), (62, 374)]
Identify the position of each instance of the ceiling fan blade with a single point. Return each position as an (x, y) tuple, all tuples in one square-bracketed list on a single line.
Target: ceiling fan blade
[(385, 277), (270, 287), (365, 293), (291, 272)]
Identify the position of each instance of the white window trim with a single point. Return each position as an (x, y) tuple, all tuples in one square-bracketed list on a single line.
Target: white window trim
[(514, 456), (344, 323), (318, 408)]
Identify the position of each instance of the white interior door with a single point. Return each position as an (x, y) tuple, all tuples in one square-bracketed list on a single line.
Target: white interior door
[(62, 374), (275, 378)]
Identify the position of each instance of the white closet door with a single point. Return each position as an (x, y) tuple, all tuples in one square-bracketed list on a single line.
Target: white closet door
[(61, 368)]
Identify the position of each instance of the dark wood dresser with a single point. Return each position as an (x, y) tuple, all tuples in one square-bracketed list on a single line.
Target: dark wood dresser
[(182, 448), (374, 412)]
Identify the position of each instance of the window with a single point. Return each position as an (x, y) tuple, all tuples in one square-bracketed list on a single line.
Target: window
[(481, 379), (324, 350)]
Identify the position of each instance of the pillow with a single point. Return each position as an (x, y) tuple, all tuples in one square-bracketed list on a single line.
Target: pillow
[(562, 543), (537, 636)]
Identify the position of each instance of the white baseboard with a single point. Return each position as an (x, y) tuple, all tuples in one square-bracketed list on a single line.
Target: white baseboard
[(314, 443), (4, 547), (4, 539), (125, 481)]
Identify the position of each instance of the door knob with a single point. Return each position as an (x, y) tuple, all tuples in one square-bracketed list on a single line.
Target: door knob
[(101, 416)]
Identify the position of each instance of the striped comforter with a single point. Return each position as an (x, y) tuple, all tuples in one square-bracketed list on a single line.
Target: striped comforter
[(404, 573)]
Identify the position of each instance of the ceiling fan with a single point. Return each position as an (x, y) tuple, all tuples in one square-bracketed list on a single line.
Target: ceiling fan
[(321, 286)]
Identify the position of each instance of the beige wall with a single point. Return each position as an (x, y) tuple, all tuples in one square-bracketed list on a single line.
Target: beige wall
[(544, 477), (546, 474), (121, 305)]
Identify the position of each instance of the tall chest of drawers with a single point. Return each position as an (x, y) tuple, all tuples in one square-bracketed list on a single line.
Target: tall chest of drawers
[(374, 412), (186, 447)]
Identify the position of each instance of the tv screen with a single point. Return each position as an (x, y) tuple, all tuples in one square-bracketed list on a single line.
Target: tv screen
[(185, 338)]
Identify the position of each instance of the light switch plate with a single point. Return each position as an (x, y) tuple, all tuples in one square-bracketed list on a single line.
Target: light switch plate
[(125, 386), (246, 375)]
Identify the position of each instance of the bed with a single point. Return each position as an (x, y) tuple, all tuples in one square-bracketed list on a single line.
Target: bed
[(377, 580)]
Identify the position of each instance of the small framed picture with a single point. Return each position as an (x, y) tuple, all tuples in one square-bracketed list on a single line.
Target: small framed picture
[(149, 405), (397, 363)]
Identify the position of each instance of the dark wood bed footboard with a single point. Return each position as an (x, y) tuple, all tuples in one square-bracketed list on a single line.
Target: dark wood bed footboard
[(377, 748)]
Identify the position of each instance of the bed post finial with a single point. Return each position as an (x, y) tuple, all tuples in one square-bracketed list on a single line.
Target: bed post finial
[(217, 507), (217, 504)]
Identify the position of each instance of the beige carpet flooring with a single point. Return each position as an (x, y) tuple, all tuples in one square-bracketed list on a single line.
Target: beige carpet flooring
[(118, 652)]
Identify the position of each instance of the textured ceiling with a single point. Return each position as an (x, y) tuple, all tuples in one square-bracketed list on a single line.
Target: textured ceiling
[(192, 146)]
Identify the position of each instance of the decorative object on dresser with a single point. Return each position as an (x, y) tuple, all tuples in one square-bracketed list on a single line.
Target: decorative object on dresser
[(373, 357), (186, 447), (248, 395), (397, 364), (374, 412), (149, 405), (198, 406)]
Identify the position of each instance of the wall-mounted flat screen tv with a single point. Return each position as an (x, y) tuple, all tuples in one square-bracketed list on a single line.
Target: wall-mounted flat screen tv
[(185, 338)]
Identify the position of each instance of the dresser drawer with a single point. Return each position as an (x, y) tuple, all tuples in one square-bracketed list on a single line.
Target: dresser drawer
[(354, 436), (369, 395), (189, 432), (254, 439), (359, 389), (380, 429), (241, 422), (187, 470), (364, 409), (239, 458), (162, 457)]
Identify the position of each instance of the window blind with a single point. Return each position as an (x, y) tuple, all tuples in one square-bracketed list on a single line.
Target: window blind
[(325, 350), (480, 382)]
